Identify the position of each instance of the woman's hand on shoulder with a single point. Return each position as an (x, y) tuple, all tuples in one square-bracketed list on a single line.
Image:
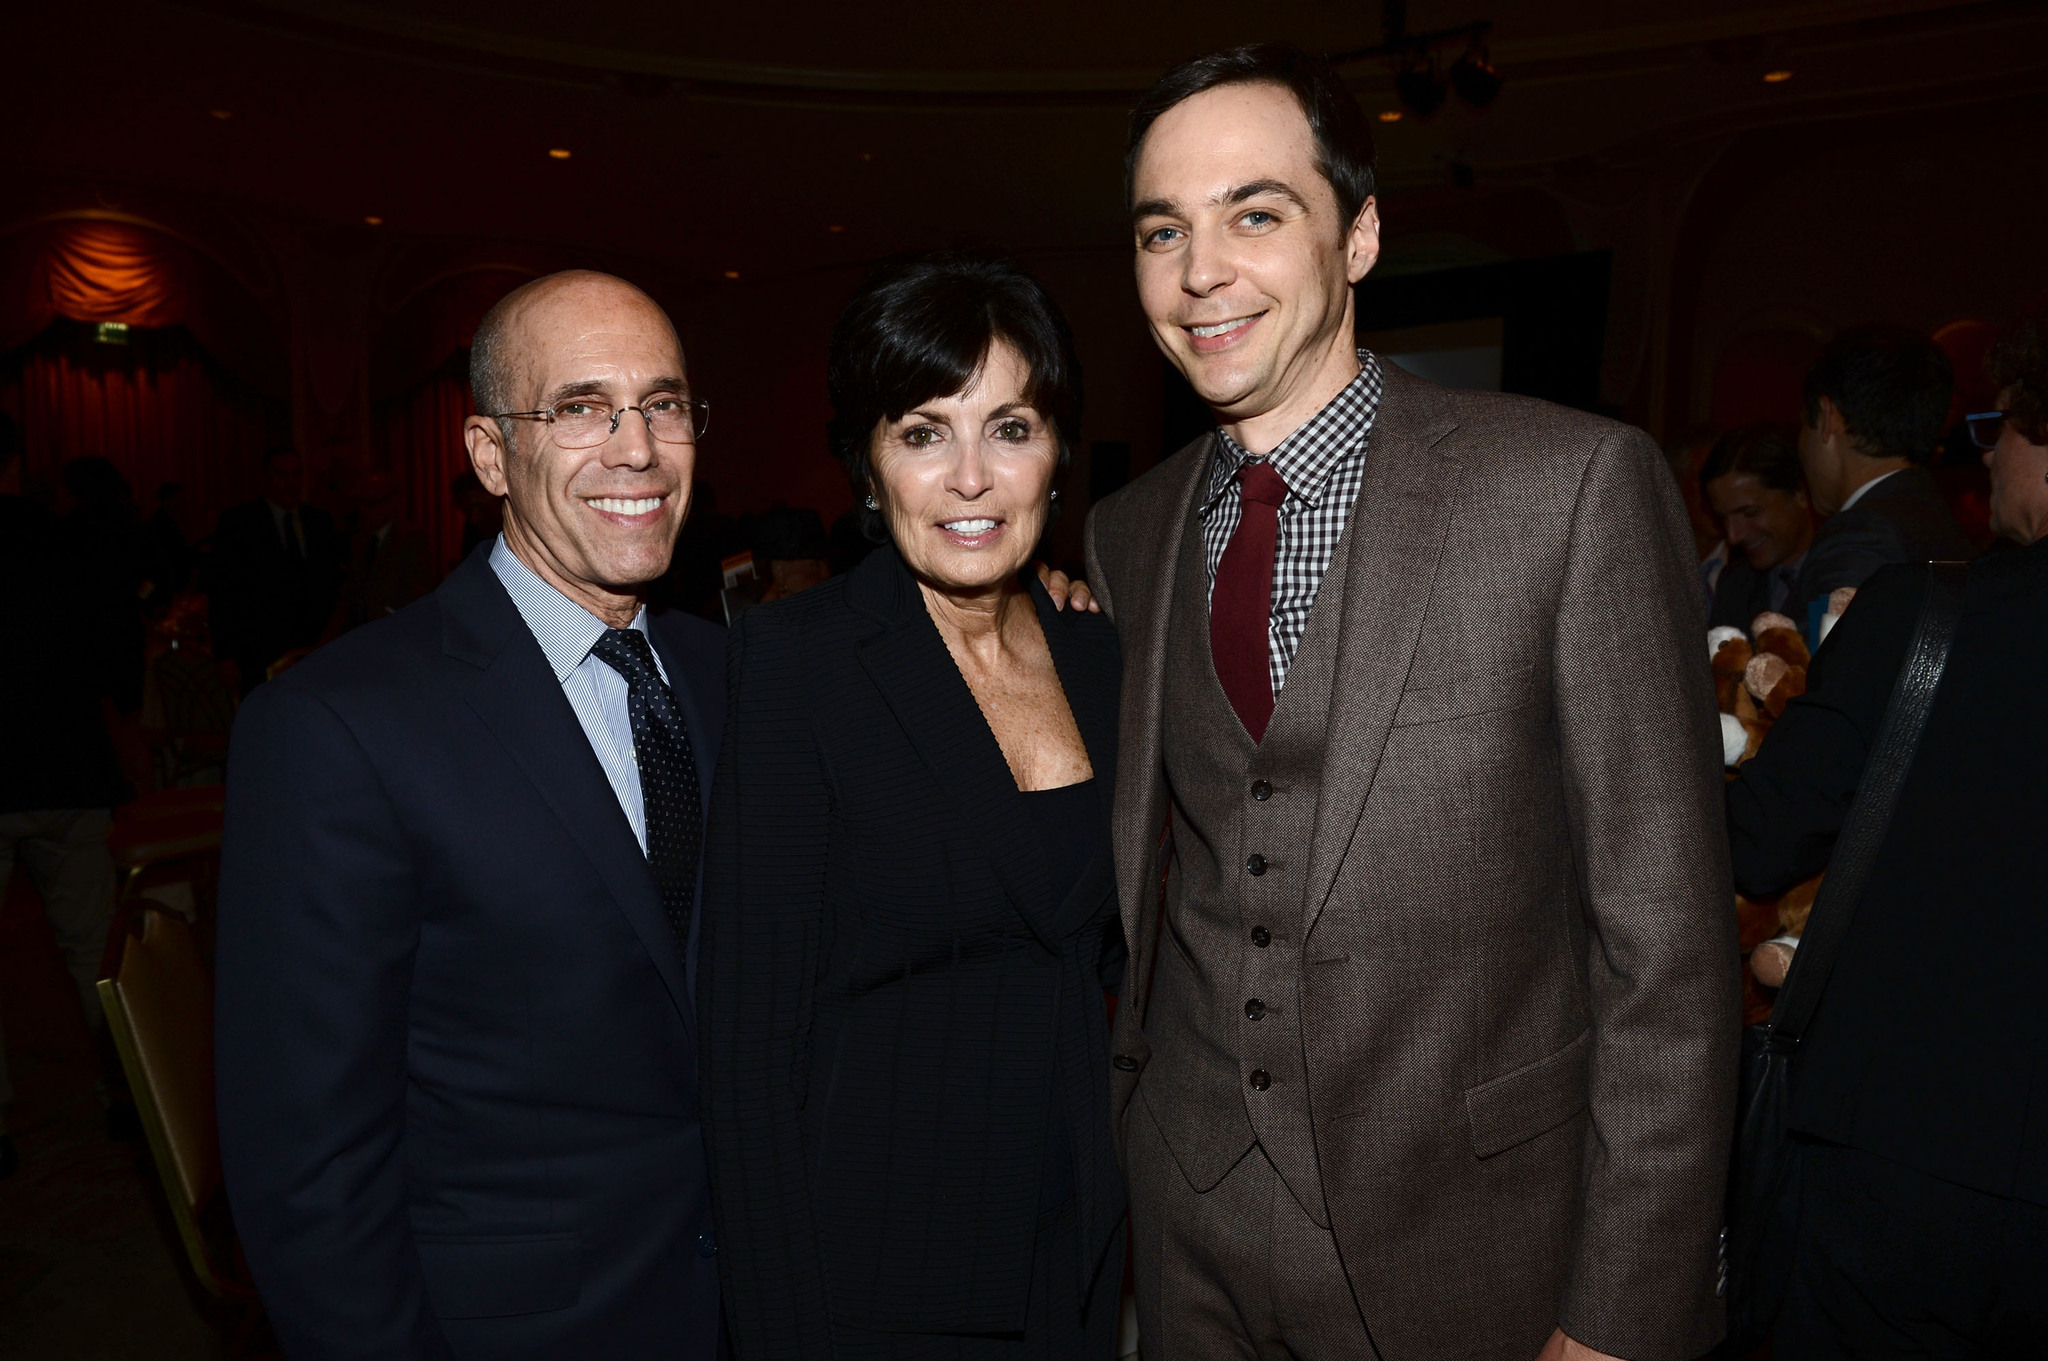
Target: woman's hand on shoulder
[(1067, 593)]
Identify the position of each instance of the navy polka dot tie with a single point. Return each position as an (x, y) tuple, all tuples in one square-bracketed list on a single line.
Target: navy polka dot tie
[(669, 792)]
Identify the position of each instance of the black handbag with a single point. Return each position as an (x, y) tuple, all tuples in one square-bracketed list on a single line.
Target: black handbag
[(1763, 1184)]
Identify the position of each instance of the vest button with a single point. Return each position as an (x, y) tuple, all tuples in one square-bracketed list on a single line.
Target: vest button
[(1256, 865), (1254, 1009), (1261, 937), (1261, 790), (1261, 1079), (1124, 1063)]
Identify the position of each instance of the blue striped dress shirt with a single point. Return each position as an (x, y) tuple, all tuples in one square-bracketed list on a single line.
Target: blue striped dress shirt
[(566, 632)]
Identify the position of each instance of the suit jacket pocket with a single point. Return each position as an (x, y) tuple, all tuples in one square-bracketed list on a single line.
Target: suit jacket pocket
[(1480, 694), (499, 1276), (1533, 1099)]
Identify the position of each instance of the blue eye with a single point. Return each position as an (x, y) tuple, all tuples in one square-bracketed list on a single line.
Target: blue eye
[(1158, 235), (1257, 217)]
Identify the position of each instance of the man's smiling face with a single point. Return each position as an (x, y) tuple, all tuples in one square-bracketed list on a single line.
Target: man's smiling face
[(1244, 266), (597, 523)]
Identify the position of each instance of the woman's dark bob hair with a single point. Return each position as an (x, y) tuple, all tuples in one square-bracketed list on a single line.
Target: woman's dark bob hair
[(920, 327)]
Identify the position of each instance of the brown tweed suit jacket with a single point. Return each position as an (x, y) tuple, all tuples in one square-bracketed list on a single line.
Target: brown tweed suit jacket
[(1519, 987)]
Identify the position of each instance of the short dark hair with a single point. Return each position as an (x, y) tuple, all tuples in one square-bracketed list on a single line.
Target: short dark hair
[(2019, 366), (920, 327), (1892, 386), (1769, 453), (1344, 146)]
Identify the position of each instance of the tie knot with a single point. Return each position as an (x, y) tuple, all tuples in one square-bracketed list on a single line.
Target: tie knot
[(626, 652), (1262, 484)]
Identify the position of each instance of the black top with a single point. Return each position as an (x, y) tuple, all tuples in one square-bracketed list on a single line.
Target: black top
[(897, 972), (1072, 832), (1930, 1046)]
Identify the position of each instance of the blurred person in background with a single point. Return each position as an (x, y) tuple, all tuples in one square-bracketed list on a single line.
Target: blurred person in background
[(389, 563), (166, 557), (1752, 482), (1875, 403), (275, 568), (59, 776), (1921, 1082), (105, 550)]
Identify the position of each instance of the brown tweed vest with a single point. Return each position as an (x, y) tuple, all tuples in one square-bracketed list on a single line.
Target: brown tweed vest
[(1228, 1067)]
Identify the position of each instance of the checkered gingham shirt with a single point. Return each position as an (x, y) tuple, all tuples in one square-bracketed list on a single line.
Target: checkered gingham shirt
[(1323, 464)]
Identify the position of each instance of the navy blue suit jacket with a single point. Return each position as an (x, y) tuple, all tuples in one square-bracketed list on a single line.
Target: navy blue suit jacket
[(457, 1092)]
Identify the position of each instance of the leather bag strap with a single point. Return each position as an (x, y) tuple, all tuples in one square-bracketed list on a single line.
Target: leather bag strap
[(1870, 813)]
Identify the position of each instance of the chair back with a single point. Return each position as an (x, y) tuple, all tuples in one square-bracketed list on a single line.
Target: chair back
[(159, 1005)]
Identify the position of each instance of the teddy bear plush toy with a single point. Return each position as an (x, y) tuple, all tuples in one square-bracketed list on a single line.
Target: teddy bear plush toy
[(1756, 674)]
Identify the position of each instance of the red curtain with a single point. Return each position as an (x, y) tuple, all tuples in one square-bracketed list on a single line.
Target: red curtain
[(420, 443), (157, 407)]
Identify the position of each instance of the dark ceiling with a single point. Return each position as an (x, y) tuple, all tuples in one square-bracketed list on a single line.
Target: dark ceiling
[(766, 139)]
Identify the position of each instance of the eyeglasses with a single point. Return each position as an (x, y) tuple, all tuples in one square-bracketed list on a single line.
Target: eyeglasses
[(1985, 427), (584, 422)]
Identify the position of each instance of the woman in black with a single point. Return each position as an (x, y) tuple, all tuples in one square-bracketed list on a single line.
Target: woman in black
[(909, 914)]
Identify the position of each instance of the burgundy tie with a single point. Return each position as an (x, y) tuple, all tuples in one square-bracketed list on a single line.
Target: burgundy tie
[(1241, 602)]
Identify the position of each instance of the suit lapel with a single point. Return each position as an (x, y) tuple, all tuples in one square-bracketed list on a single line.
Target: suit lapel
[(1395, 537), (516, 695), (918, 680), (1145, 610)]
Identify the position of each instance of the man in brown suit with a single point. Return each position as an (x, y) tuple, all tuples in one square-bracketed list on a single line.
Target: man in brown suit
[(1427, 1045)]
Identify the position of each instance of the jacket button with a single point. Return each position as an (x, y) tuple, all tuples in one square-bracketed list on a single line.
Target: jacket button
[(1261, 790), (1254, 1009), (707, 1244), (1124, 1063), (1261, 1079), (1261, 937), (1256, 865)]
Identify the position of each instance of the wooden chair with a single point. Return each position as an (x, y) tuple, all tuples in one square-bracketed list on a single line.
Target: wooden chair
[(159, 1004)]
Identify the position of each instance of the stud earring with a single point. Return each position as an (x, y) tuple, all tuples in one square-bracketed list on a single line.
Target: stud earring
[(1055, 493), (871, 503)]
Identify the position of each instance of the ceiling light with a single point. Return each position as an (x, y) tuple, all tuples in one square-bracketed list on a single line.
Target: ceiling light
[(1776, 77), (558, 154), (1474, 78), (732, 274), (111, 333), (373, 221), (222, 114), (835, 229), (1390, 115), (867, 155), (1421, 88)]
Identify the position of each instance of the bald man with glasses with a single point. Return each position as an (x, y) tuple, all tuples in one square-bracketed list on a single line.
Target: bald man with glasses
[(457, 1091)]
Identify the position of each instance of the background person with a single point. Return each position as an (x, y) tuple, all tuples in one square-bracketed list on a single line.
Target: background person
[(1920, 1082), (1434, 1052), (1875, 402), (910, 918), (273, 572), (458, 1107), (1752, 481)]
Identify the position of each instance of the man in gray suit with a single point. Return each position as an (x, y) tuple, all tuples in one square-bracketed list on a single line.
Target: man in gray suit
[(1427, 1046)]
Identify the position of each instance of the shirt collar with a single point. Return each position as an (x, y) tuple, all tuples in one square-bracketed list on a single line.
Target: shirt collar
[(1306, 458), (1864, 490), (564, 629)]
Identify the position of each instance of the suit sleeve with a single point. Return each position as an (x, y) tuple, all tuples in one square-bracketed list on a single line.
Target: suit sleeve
[(1787, 808), (763, 924), (1098, 570), (319, 925), (1847, 552), (1639, 752)]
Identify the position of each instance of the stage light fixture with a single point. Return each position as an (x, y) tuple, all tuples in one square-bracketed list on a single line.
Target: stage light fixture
[(1421, 88), (222, 114), (558, 153), (835, 229), (1390, 115), (732, 274), (1475, 79), (1776, 77), (373, 221), (111, 333)]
